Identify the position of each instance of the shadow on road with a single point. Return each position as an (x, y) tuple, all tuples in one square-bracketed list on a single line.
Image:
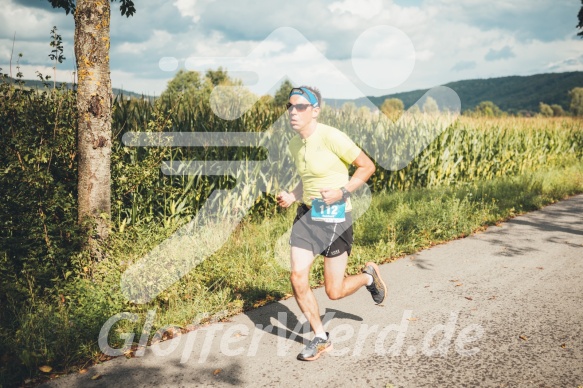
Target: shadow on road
[(421, 263), (285, 322), (132, 375), (546, 226)]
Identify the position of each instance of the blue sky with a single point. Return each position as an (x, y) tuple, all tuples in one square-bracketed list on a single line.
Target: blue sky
[(348, 48)]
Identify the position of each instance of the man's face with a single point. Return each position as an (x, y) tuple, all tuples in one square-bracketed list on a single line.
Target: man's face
[(299, 118)]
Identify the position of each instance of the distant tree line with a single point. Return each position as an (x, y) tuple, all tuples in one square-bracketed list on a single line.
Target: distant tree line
[(393, 107)]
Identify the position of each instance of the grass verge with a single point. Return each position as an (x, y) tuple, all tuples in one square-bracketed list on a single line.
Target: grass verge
[(252, 268)]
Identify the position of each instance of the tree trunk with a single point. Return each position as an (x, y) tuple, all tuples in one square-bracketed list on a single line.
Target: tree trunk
[(94, 100)]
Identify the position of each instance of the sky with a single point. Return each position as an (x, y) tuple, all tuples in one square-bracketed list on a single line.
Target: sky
[(347, 48)]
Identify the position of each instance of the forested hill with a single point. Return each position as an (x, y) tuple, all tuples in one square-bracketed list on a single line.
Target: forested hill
[(40, 85), (512, 93)]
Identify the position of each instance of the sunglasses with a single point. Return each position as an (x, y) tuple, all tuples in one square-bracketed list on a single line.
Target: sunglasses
[(299, 107)]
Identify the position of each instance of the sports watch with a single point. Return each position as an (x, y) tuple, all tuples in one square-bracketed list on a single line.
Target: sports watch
[(345, 193)]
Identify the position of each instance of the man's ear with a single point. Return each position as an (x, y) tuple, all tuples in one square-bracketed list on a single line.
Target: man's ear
[(315, 112)]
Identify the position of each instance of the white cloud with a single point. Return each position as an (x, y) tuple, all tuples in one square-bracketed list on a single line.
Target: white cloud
[(544, 20), (424, 55), (31, 23), (383, 57), (569, 64), (295, 57), (34, 53), (215, 45), (451, 38), (411, 18), (157, 40), (188, 8), (362, 8), (30, 72), (495, 55)]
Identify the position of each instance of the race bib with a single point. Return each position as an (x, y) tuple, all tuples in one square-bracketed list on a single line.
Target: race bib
[(333, 213)]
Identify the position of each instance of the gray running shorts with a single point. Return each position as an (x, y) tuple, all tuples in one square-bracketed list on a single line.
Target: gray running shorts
[(326, 239)]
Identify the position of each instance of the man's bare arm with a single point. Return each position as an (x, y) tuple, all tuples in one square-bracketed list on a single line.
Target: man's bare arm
[(285, 199)]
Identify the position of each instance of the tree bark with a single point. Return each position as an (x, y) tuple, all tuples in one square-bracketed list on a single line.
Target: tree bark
[(94, 101)]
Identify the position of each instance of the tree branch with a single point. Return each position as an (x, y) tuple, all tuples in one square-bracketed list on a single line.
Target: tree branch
[(127, 7)]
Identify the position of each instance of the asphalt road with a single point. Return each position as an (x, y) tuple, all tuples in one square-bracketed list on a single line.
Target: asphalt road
[(502, 308)]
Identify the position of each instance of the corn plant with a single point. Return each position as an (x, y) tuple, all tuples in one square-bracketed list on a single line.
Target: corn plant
[(470, 149)]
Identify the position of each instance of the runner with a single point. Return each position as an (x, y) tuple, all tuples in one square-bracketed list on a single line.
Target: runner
[(323, 224)]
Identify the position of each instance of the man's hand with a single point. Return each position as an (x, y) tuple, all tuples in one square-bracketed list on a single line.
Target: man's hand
[(329, 196), (285, 199)]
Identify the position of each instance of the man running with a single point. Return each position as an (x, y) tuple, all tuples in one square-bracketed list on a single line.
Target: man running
[(323, 224)]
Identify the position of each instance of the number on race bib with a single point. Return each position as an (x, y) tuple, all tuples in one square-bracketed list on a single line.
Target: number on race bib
[(335, 212)]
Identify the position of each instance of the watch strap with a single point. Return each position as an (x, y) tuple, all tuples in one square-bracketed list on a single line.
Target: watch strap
[(345, 193)]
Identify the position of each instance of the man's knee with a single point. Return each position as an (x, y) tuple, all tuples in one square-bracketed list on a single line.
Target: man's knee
[(334, 293), (300, 281)]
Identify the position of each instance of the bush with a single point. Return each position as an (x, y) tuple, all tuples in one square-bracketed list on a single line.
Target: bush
[(39, 237), (38, 182)]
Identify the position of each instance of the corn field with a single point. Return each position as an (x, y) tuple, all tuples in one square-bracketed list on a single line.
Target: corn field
[(170, 183)]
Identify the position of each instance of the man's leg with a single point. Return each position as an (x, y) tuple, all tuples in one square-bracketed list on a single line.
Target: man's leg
[(337, 286), (301, 262)]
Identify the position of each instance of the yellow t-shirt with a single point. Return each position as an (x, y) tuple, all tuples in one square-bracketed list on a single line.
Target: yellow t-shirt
[(322, 160)]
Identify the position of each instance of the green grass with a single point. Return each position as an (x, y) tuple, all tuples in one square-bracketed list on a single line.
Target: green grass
[(252, 268)]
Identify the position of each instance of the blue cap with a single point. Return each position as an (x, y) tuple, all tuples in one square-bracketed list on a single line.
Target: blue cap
[(307, 93)]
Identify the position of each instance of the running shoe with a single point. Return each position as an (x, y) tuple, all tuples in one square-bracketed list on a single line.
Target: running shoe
[(378, 288), (315, 348)]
